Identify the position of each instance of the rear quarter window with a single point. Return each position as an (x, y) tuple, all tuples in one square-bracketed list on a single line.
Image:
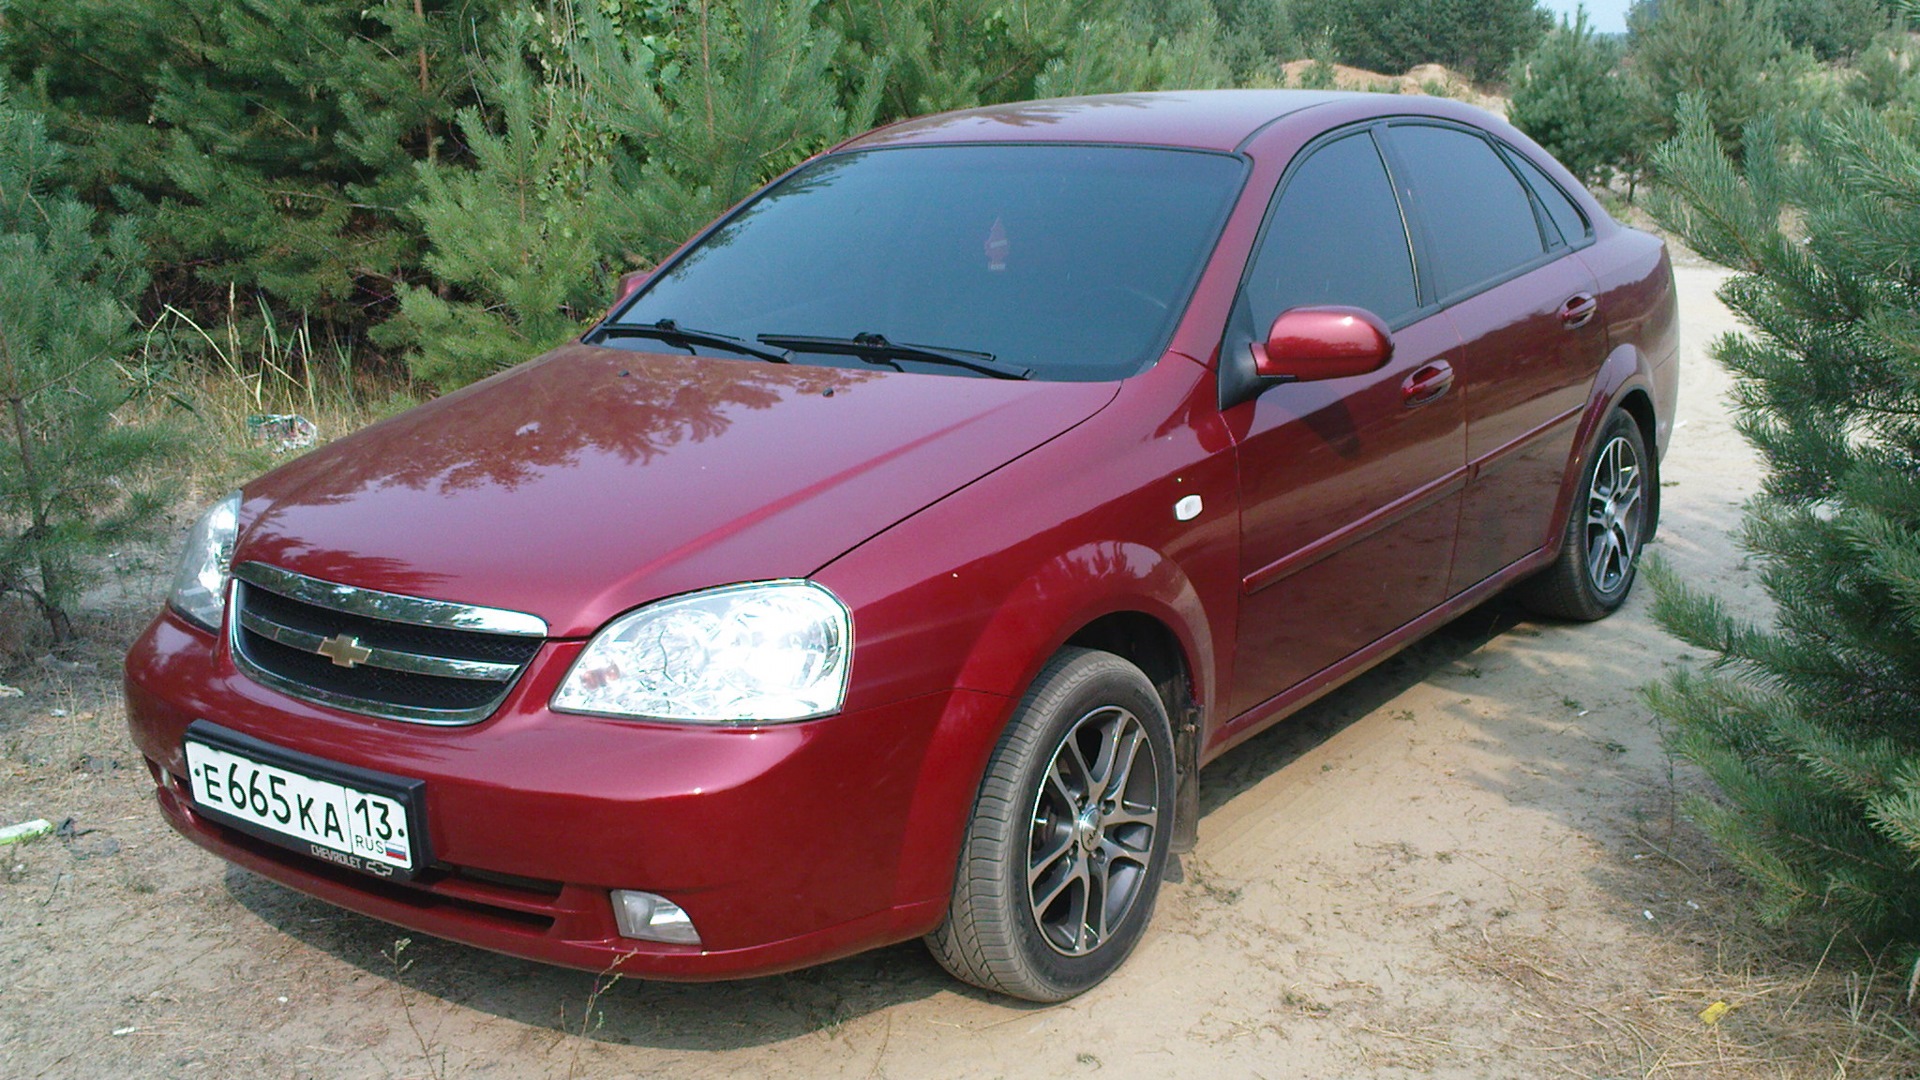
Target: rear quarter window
[(1566, 217)]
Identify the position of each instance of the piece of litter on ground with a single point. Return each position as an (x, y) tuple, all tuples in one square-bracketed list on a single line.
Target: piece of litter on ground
[(11, 691), (1648, 914), (1583, 712), (1711, 1014), (56, 712), (283, 431), (26, 830), (124, 1031), (1693, 905), (283, 999)]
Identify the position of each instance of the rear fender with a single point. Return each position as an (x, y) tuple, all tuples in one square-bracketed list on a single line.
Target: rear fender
[(1626, 371)]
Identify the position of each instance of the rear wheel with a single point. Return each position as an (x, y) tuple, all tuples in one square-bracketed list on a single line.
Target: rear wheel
[(1068, 842), (1612, 516)]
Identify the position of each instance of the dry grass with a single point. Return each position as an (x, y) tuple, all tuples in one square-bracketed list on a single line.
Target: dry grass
[(209, 382), (1712, 992), (220, 380)]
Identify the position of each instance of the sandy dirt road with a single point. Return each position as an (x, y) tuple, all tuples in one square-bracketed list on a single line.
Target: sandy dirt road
[(1450, 868)]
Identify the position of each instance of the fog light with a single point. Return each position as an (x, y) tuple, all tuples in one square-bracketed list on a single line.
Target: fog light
[(648, 917)]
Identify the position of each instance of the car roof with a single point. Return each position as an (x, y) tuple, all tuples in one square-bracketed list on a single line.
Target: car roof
[(1198, 119)]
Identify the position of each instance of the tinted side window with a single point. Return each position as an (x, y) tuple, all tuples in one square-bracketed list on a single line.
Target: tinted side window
[(1477, 215), (1336, 237), (1566, 216)]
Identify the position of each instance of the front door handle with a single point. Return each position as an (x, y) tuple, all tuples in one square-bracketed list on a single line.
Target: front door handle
[(1428, 384), (1578, 311)]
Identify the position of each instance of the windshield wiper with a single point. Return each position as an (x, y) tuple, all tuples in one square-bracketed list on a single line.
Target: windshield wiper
[(674, 334), (877, 348)]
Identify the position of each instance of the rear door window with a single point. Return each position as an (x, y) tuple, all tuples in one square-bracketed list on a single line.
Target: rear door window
[(1335, 237), (1478, 218)]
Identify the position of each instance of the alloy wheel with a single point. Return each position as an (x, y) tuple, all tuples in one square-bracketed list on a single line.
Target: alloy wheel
[(1615, 515), (1092, 831)]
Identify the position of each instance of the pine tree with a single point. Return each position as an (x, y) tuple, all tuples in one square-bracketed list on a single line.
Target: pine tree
[(1571, 98), (1172, 45), (1255, 37), (607, 161), (1480, 38), (1888, 73), (1730, 53), (1832, 29), (270, 142), (955, 54), (68, 464), (509, 238), (1806, 721)]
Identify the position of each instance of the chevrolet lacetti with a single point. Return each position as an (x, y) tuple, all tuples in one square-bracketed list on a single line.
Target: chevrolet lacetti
[(891, 558)]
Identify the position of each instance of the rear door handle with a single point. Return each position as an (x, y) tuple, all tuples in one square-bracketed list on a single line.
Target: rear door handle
[(1428, 384), (1578, 311)]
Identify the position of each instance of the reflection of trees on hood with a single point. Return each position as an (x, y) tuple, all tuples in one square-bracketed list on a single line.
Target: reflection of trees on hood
[(550, 414)]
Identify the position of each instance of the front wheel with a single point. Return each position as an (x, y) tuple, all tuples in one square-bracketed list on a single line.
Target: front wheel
[(1611, 518), (1068, 842)]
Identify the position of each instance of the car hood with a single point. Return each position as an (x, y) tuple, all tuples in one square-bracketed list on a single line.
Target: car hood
[(592, 480)]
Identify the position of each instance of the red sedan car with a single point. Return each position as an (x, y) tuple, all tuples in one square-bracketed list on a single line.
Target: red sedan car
[(892, 558)]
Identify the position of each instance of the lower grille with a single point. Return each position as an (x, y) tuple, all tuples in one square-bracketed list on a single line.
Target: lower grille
[(398, 657)]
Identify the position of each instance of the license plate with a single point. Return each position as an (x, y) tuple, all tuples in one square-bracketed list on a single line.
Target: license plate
[(366, 821)]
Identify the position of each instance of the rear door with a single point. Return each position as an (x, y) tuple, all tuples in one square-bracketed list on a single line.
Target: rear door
[(1526, 311)]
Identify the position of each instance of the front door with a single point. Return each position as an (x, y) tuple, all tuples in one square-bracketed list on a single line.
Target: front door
[(1350, 488)]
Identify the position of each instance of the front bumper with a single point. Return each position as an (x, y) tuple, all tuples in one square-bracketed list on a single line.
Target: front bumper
[(788, 844)]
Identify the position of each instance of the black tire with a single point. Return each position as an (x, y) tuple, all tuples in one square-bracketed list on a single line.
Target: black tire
[(1614, 511), (1053, 933)]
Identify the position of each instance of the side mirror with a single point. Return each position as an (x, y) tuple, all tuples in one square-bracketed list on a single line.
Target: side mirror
[(630, 283), (1309, 343)]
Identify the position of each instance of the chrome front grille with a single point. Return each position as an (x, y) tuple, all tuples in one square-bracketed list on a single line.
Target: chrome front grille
[(378, 653)]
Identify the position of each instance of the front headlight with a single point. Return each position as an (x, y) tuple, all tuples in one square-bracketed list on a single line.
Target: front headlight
[(200, 585), (763, 652)]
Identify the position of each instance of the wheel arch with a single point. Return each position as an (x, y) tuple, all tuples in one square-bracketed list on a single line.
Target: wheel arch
[(1637, 401), (1117, 596), (1625, 381), (1153, 647)]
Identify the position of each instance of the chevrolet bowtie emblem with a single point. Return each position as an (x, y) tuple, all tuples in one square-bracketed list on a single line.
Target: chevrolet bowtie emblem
[(344, 650)]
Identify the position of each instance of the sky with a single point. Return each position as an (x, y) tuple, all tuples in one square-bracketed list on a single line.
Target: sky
[(1607, 16)]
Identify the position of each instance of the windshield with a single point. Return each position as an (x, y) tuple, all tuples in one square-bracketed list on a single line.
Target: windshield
[(1074, 261)]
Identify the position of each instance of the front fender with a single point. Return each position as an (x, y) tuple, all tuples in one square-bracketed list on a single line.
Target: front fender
[(972, 595), (1034, 621), (1074, 589)]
